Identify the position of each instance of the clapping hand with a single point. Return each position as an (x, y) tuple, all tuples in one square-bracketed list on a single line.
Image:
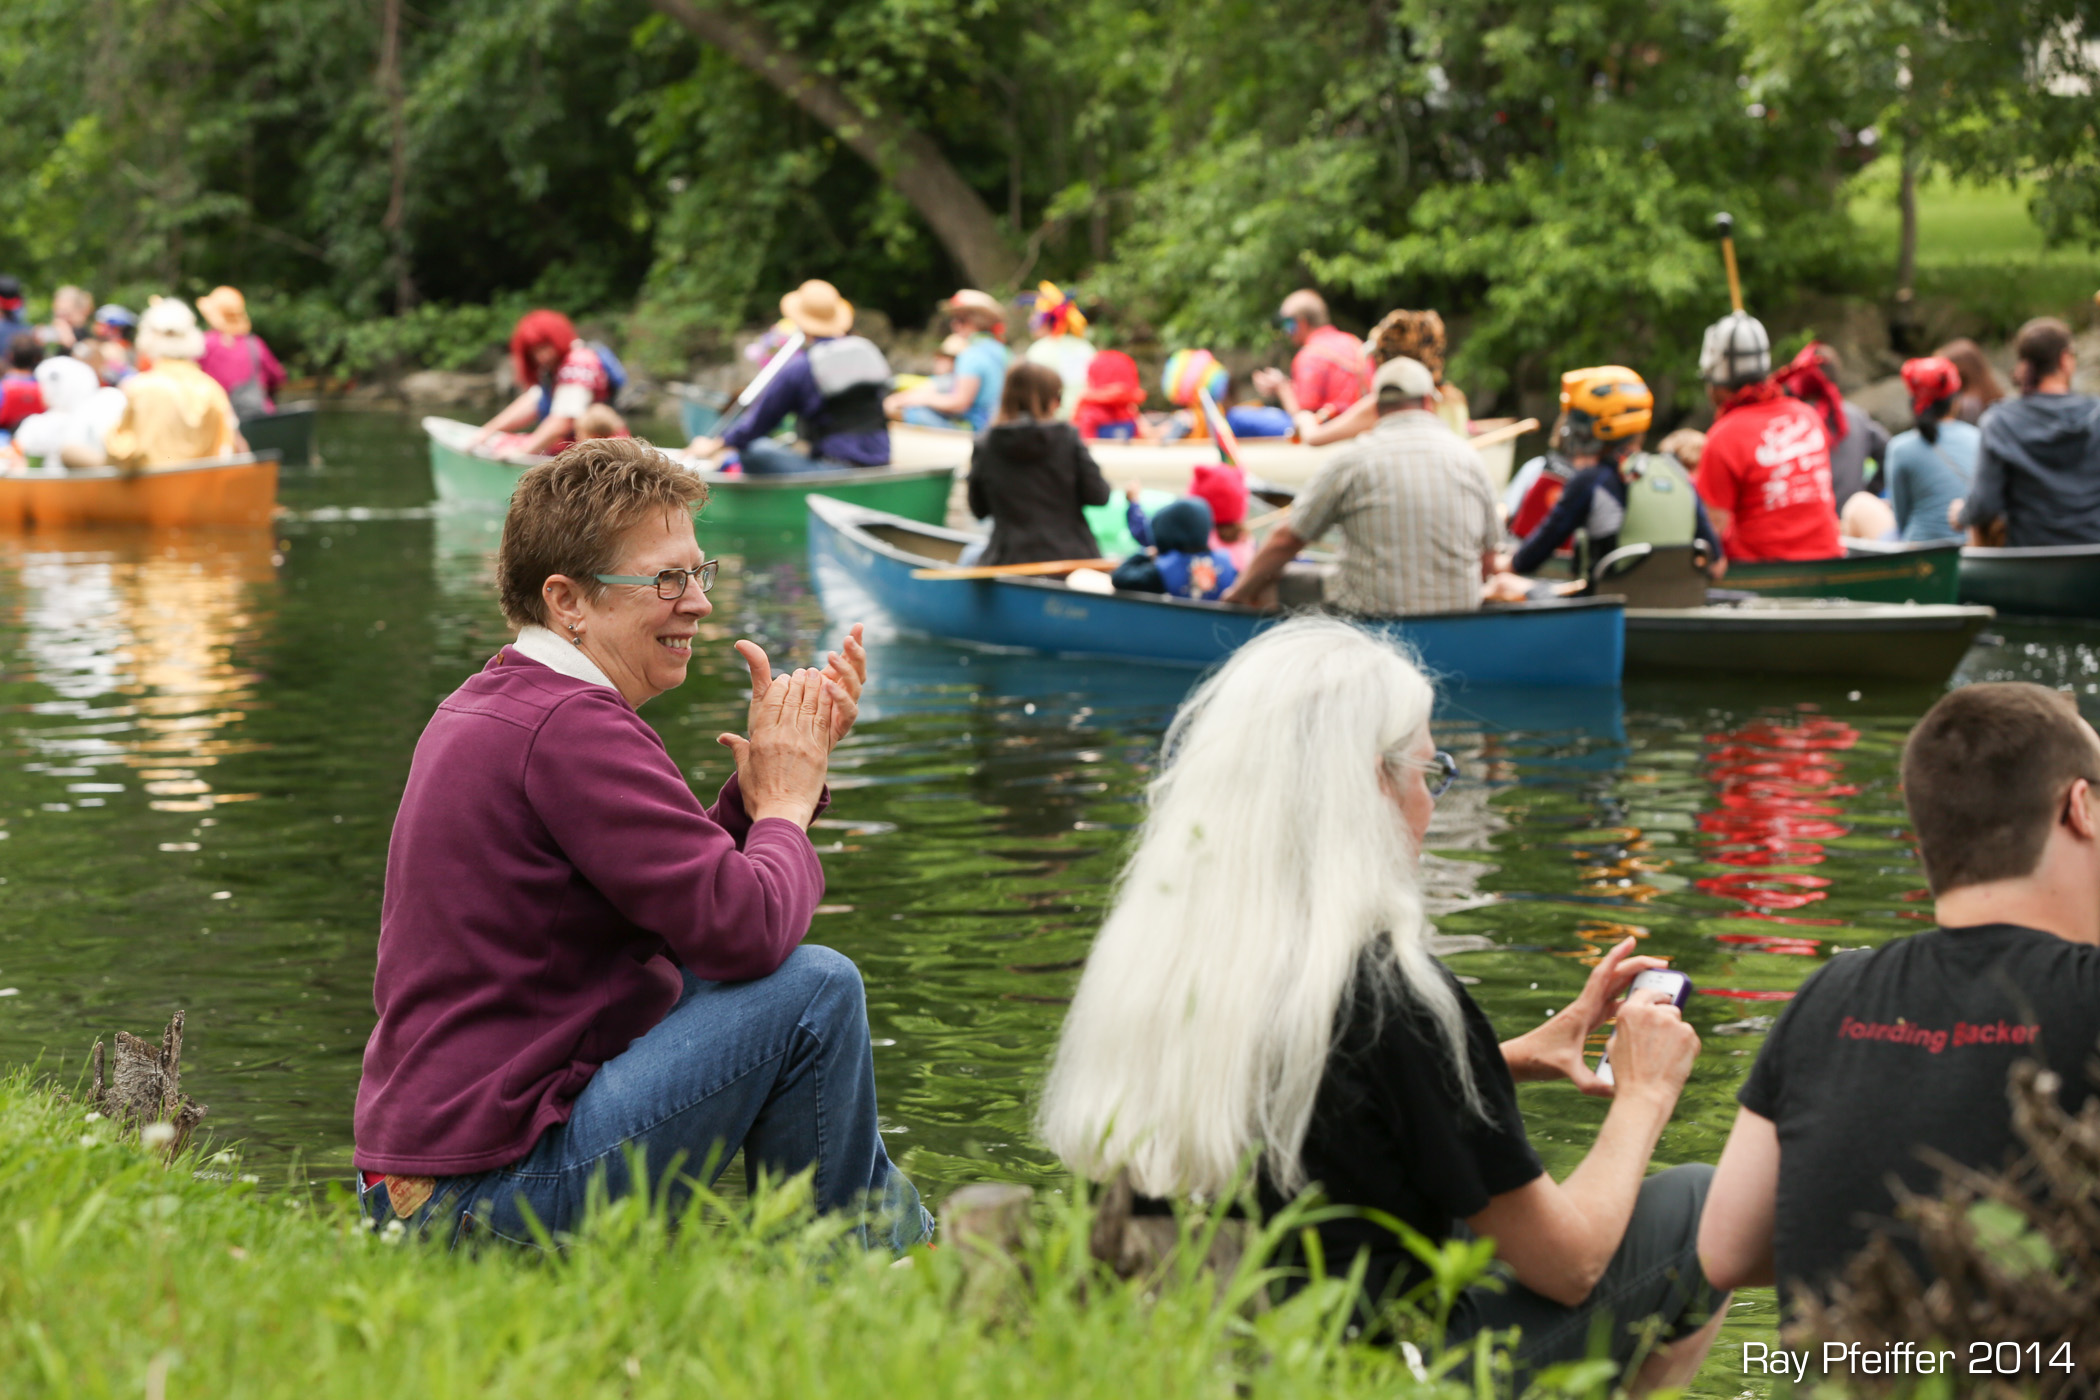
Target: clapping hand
[(793, 718), (848, 668)]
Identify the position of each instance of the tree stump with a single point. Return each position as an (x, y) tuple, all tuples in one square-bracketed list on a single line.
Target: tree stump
[(143, 1090)]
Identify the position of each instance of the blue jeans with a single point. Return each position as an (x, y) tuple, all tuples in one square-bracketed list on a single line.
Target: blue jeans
[(924, 417), (767, 457), (781, 1066)]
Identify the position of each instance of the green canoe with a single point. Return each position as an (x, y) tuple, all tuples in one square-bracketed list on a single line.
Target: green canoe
[(2059, 580), (1896, 573), (289, 432), (734, 502)]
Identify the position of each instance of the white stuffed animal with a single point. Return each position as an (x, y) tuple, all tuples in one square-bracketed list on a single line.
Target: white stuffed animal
[(77, 410)]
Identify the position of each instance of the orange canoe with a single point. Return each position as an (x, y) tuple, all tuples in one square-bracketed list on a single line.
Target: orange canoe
[(219, 491)]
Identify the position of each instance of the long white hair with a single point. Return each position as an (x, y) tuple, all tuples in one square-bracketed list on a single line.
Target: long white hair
[(1270, 857)]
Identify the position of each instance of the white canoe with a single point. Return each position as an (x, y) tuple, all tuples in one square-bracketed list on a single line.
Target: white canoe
[(1165, 466)]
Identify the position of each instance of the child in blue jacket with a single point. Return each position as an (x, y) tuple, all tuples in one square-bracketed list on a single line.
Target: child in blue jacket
[(1181, 563)]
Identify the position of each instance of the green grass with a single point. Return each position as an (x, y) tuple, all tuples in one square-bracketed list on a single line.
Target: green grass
[(1980, 253), (122, 1277)]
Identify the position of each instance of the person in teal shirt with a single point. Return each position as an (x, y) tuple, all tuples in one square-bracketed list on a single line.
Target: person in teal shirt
[(1932, 464), (971, 398)]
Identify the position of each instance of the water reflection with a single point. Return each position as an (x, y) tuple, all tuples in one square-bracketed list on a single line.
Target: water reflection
[(135, 635)]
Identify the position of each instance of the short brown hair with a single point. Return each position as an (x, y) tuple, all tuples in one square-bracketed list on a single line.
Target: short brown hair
[(1984, 776), (569, 515), (1032, 391)]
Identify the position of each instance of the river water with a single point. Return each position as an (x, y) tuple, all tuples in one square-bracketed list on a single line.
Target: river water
[(203, 738)]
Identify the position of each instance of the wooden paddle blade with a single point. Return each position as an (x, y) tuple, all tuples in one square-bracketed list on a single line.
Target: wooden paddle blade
[(1504, 433), (1039, 568)]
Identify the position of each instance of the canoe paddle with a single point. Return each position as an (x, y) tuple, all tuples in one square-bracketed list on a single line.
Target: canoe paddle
[(1046, 566), (1725, 224), (1498, 436), (758, 383), (1228, 441)]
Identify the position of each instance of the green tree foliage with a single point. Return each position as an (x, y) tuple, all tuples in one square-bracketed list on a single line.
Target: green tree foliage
[(1991, 91), (1545, 171)]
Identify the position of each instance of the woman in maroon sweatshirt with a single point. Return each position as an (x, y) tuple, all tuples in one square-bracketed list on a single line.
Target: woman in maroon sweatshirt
[(576, 959)]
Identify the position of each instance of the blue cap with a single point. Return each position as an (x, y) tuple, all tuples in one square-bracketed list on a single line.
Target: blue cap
[(114, 315)]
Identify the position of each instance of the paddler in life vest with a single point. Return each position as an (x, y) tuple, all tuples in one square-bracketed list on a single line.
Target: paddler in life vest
[(1618, 495), (560, 374), (833, 385)]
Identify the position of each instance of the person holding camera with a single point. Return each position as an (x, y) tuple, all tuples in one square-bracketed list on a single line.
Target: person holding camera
[(1264, 990)]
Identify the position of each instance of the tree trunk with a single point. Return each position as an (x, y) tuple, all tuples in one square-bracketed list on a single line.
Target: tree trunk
[(902, 155), (1903, 326), (395, 221)]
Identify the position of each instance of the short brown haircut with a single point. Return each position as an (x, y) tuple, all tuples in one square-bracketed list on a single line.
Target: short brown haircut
[(569, 515), (1984, 777), (1031, 391)]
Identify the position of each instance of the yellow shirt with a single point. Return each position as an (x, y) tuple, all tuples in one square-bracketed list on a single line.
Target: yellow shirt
[(174, 412)]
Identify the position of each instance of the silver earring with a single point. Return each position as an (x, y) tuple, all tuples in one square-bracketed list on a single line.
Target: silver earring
[(574, 640)]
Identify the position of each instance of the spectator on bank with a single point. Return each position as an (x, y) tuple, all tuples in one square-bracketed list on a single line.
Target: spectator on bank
[(580, 967), (1932, 464), (2038, 459), (1031, 475), (72, 309), (1980, 385), (236, 356), (2002, 782), (972, 398), (1418, 520), (1314, 1033)]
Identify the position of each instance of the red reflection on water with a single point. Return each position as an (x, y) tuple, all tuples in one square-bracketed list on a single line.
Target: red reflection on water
[(1777, 783)]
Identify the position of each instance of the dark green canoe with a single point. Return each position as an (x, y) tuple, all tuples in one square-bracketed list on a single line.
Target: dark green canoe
[(1903, 573), (735, 503), (2059, 580), (289, 432)]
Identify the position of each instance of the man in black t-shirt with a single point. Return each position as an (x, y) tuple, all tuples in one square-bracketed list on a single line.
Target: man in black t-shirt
[(1887, 1057)]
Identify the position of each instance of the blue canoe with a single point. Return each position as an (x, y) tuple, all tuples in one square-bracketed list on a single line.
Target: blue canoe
[(863, 560)]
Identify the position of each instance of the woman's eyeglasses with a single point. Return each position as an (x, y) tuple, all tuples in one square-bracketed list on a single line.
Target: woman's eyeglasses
[(670, 584), (1441, 771)]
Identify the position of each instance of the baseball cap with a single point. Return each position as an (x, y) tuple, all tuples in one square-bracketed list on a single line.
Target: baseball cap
[(1409, 378)]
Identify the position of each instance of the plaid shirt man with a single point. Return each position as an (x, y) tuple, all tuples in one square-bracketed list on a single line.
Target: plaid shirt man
[(1415, 513)]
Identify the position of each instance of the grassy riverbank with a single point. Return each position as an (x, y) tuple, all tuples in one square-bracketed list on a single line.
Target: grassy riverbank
[(121, 1277)]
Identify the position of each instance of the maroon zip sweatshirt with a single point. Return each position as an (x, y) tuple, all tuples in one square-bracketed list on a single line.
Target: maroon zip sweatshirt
[(548, 874)]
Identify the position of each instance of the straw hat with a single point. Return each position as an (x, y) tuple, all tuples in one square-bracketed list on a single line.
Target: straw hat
[(970, 299), (225, 310), (168, 331), (817, 309)]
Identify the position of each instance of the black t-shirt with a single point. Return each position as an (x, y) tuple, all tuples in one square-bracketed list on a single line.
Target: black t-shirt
[(1389, 1130), (1885, 1054)]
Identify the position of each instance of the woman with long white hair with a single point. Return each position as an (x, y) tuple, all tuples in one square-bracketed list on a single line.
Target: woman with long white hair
[(1263, 993)]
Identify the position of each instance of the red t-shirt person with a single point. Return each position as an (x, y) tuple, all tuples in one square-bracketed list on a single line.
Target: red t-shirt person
[(1328, 372), (1767, 463)]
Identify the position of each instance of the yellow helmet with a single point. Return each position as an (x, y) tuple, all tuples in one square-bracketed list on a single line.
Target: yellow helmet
[(1613, 400)]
